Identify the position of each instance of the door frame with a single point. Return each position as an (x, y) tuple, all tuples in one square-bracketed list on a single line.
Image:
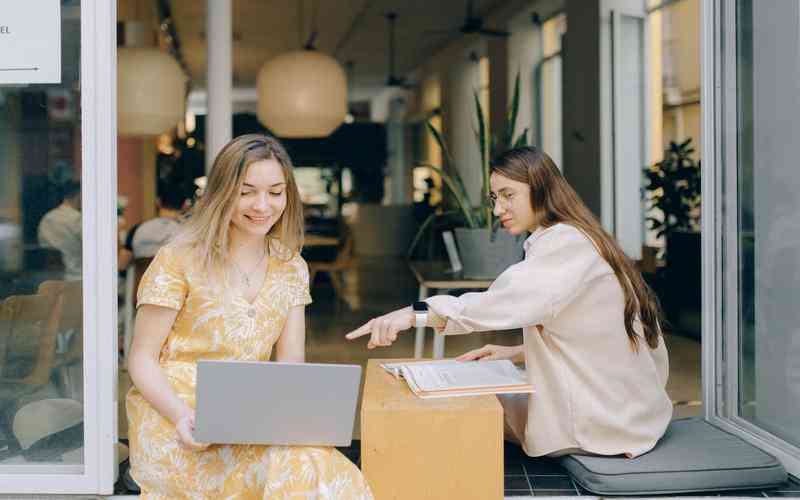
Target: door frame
[(720, 339), (98, 159)]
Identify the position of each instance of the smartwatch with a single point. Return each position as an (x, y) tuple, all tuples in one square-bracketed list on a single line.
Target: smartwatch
[(420, 313)]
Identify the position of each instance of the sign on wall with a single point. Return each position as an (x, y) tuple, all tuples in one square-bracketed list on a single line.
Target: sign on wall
[(30, 42)]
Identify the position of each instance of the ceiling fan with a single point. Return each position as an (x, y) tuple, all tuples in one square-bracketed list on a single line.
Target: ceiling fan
[(473, 25), (393, 80)]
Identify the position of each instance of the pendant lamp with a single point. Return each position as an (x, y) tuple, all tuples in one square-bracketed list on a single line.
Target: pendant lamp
[(302, 93), (151, 91)]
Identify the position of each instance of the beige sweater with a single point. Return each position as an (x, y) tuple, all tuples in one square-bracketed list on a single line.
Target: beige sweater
[(592, 391)]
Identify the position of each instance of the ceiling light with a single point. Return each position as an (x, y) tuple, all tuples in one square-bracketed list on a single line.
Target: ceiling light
[(151, 91), (302, 94)]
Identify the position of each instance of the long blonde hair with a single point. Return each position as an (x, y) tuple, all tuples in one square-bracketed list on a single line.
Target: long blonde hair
[(207, 231), (554, 201)]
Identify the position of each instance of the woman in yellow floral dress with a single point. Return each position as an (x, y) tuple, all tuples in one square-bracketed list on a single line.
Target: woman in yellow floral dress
[(231, 286)]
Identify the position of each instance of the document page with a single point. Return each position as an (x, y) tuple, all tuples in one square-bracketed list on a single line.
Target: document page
[(448, 374)]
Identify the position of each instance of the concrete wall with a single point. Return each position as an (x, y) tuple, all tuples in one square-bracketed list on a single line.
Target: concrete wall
[(581, 101), (604, 153)]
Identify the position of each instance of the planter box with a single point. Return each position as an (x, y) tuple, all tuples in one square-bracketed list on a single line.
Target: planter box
[(683, 294), (485, 255)]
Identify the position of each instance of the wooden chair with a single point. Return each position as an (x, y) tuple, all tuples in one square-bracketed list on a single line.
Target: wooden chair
[(345, 258), (69, 328), (28, 330)]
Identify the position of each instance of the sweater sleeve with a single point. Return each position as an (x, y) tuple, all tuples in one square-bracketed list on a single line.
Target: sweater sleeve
[(528, 293)]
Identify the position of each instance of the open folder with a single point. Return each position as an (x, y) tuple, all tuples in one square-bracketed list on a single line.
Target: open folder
[(450, 378)]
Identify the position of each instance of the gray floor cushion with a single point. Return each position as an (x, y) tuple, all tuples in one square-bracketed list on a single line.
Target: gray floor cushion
[(693, 456)]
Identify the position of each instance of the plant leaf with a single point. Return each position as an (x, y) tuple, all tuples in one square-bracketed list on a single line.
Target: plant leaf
[(448, 159), (423, 227), (458, 191), (522, 140), (513, 110), (483, 145)]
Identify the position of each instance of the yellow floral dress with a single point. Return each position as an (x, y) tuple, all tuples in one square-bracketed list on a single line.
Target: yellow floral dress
[(209, 327)]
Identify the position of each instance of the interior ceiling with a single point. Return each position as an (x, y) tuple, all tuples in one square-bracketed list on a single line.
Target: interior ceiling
[(350, 30)]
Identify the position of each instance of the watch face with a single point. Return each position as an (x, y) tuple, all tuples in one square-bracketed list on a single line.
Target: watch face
[(420, 306)]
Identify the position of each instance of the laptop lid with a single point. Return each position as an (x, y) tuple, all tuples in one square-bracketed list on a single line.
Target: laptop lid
[(271, 403)]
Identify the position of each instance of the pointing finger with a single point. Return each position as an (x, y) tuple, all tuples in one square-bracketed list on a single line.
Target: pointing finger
[(364, 329)]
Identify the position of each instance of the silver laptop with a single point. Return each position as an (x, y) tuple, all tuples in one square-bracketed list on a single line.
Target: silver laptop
[(252, 402)]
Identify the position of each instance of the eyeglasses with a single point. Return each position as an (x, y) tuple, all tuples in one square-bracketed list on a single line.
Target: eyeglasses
[(504, 199)]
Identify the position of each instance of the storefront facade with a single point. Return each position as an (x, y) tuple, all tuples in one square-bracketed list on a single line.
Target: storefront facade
[(751, 117)]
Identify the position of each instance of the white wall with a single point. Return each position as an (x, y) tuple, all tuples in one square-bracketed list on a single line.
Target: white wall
[(524, 53), (459, 82)]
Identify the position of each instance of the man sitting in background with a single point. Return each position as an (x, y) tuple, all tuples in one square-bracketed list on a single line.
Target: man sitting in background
[(61, 229), (148, 237)]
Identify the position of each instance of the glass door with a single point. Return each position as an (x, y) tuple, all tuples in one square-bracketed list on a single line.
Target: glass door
[(751, 223), (57, 257)]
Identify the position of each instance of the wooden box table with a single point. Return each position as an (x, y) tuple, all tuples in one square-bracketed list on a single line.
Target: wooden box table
[(420, 449)]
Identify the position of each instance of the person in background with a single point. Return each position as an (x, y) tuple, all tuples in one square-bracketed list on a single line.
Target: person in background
[(593, 347), (145, 239), (61, 229)]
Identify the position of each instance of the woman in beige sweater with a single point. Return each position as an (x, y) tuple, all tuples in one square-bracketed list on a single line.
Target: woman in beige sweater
[(592, 345)]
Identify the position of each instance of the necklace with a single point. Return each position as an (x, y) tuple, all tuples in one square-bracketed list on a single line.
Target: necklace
[(246, 276)]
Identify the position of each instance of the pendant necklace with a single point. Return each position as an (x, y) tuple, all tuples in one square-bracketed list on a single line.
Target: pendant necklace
[(246, 277)]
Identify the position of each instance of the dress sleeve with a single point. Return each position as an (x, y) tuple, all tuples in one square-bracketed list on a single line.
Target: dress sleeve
[(528, 293), (299, 286), (164, 282)]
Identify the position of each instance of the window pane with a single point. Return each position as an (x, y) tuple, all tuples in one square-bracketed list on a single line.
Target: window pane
[(769, 226), (41, 351)]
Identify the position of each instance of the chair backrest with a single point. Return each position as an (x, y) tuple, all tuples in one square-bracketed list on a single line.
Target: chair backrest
[(29, 327), (346, 251), (70, 317)]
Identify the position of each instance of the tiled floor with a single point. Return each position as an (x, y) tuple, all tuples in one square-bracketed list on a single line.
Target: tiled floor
[(378, 285)]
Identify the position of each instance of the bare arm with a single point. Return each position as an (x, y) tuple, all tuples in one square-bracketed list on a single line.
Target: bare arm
[(291, 345), (153, 324)]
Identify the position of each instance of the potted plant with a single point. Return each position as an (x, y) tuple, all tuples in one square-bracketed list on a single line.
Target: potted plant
[(485, 252), (673, 187)]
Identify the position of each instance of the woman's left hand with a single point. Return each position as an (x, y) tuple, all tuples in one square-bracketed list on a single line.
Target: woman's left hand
[(383, 330)]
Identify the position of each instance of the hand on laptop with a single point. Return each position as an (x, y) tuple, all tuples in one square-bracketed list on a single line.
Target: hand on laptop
[(383, 330), (185, 429)]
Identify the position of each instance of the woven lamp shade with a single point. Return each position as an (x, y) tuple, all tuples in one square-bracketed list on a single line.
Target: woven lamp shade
[(302, 94), (151, 92)]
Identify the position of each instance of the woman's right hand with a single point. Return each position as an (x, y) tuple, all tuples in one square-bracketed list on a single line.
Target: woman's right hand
[(185, 428), (491, 352)]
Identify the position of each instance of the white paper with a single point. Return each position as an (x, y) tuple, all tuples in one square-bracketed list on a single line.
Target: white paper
[(452, 252), (30, 42), (450, 374)]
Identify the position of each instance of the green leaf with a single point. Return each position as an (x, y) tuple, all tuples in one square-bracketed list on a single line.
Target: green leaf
[(513, 111), (458, 191), (522, 140), (448, 159), (483, 144), (423, 227)]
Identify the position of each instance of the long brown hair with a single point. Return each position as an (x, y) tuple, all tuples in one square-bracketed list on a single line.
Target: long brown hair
[(554, 201), (208, 229)]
